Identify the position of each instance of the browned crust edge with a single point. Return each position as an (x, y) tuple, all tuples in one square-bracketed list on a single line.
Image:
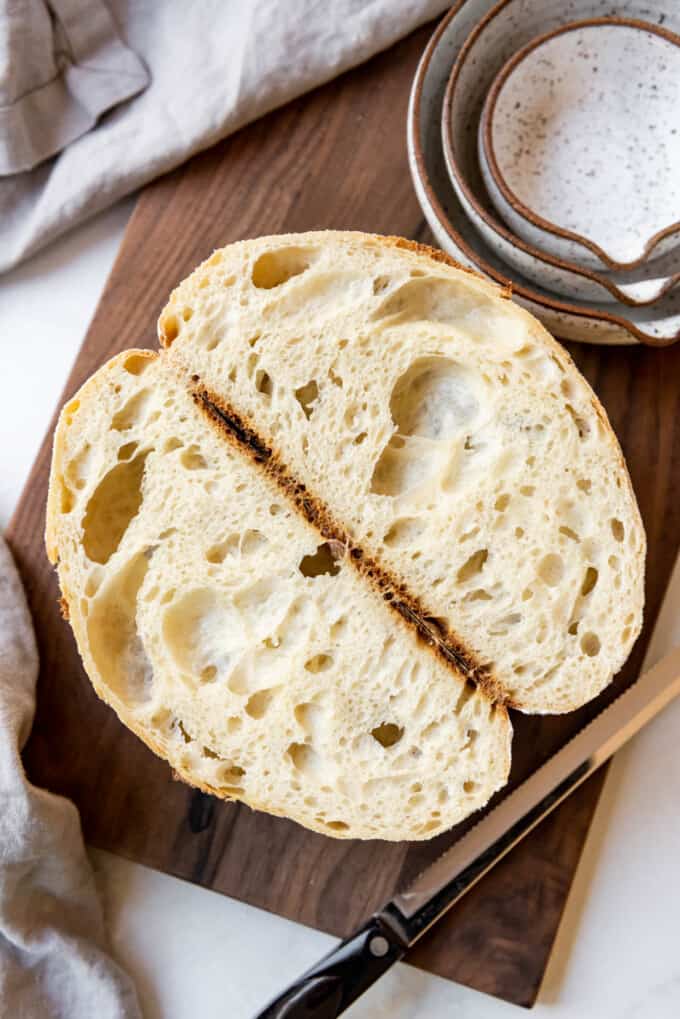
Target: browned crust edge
[(436, 255), (407, 606)]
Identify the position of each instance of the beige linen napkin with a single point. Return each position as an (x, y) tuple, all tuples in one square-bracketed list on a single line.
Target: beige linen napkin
[(53, 955), (215, 66)]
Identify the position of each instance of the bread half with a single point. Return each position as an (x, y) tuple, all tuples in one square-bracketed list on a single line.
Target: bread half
[(359, 505)]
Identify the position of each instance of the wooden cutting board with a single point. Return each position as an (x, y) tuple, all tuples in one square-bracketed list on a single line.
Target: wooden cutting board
[(336, 158)]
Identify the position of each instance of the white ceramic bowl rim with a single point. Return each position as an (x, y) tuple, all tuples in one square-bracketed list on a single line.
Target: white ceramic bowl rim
[(511, 197), (554, 304)]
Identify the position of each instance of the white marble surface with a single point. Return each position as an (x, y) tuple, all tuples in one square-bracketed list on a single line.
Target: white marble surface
[(194, 952)]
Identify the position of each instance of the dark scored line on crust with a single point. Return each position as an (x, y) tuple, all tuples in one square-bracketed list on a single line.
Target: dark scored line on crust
[(393, 591)]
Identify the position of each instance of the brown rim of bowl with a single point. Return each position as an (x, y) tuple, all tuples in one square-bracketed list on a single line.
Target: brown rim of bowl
[(505, 281), (486, 125), (495, 224)]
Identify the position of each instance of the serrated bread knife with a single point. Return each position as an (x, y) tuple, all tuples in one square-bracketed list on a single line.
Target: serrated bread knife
[(331, 986)]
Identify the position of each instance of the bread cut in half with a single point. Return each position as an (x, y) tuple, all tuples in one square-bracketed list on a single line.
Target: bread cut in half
[(359, 505)]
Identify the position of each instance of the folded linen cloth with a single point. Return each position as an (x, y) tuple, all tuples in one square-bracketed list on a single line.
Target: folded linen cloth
[(214, 67), (65, 66), (53, 956)]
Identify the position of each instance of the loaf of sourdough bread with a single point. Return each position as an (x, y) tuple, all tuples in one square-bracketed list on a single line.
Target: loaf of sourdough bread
[(358, 506)]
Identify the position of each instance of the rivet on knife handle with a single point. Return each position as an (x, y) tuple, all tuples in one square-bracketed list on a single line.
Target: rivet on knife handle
[(329, 987)]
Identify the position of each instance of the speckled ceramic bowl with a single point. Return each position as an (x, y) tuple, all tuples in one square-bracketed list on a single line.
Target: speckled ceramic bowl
[(480, 58), (642, 285), (657, 324), (580, 147)]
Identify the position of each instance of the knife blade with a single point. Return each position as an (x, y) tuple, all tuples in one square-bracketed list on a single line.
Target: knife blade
[(329, 987)]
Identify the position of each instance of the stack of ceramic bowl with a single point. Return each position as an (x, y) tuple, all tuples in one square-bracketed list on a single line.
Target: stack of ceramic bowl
[(544, 144)]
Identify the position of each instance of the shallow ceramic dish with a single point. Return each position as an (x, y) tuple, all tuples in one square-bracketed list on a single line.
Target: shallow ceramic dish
[(596, 323), (581, 144)]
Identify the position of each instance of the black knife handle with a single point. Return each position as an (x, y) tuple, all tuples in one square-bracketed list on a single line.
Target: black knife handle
[(329, 987)]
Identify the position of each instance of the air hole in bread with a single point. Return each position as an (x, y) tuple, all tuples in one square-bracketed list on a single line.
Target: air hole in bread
[(434, 399), (501, 627), (387, 734), (584, 484), (169, 329), (361, 437), (381, 284), (551, 569), (263, 382), (203, 631), (252, 541), (70, 410), (338, 628), (319, 663), (171, 444), (404, 531), (78, 468), (306, 396), (337, 825), (582, 426), (430, 300), (479, 594), (234, 723), (193, 459), (187, 314), (135, 364), (469, 690), (472, 566), (502, 502), (590, 644), (573, 628), (210, 754), (184, 734), (112, 507), (589, 581), (527, 490), (116, 645), (231, 775), (208, 674), (274, 268), (258, 704), (430, 729), (469, 786), (618, 529), (132, 413), (66, 497), (519, 532), (335, 378), (569, 533), (218, 553), (127, 450), (304, 758), (323, 562)]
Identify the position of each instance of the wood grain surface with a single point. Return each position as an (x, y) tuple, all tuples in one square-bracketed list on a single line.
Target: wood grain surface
[(336, 158)]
